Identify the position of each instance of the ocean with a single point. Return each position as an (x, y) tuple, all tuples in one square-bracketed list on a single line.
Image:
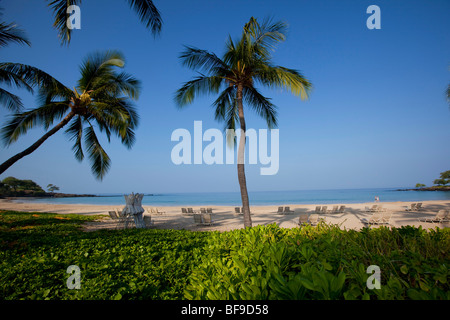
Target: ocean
[(259, 197)]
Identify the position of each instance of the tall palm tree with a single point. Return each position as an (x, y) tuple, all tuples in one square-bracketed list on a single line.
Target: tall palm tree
[(16, 74), (146, 10), (102, 97), (244, 64)]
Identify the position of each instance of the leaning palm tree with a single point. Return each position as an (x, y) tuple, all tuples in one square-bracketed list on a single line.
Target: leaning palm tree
[(102, 97), (245, 63), (145, 9)]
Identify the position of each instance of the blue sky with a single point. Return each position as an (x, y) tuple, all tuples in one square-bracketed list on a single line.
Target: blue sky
[(377, 116)]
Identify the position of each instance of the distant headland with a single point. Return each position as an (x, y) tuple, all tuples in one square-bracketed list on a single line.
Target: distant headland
[(434, 188)]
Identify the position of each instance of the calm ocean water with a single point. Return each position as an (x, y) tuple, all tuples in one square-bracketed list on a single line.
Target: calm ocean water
[(261, 197)]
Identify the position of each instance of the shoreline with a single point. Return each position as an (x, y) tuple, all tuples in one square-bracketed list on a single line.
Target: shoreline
[(225, 218)]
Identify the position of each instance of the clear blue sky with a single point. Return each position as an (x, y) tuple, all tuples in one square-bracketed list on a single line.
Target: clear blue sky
[(377, 116)]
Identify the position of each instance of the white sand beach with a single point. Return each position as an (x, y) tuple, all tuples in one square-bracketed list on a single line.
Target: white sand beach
[(225, 219)]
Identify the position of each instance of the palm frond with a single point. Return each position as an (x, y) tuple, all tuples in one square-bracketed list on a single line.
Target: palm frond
[(25, 76), (225, 101), (9, 32), (201, 84), (75, 132), (262, 105), (59, 8), (100, 161), (284, 78), (10, 101), (96, 68), (20, 123), (148, 14), (198, 59)]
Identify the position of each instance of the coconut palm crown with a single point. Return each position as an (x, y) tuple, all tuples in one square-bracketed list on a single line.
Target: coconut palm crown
[(245, 64), (102, 99)]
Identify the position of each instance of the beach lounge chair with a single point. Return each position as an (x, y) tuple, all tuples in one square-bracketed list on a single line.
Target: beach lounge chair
[(207, 219), (209, 210), (313, 219), (324, 209), (318, 209), (202, 210), (190, 210), (237, 210), (334, 210), (341, 209), (419, 206), (148, 221), (380, 208), (374, 219), (302, 219), (183, 210), (280, 210), (441, 216), (113, 215), (288, 210), (412, 207), (198, 219), (386, 217), (373, 209)]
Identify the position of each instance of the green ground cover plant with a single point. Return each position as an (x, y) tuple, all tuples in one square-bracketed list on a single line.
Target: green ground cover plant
[(263, 262)]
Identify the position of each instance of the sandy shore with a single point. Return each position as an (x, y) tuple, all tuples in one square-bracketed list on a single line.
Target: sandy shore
[(225, 219)]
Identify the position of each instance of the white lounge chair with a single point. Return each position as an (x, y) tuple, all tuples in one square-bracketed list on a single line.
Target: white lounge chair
[(148, 221), (302, 219), (441, 216), (318, 209), (386, 217), (209, 210), (324, 209), (207, 219), (342, 209), (411, 207), (374, 219), (198, 219), (287, 210), (334, 210), (280, 210), (419, 206), (313, 219)]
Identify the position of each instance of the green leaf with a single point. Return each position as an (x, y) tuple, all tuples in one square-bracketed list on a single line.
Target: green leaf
[(404, 269)]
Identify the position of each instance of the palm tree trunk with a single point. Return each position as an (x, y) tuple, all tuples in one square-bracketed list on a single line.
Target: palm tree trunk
[(8, 163), (240, 166)]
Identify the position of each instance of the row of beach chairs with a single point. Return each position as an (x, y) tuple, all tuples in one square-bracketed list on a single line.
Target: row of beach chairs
[(191, 211), (124, 221), (375, 208), (155, 211), (204, 219), (378, 217), (415, 207), (441, 216), (324, 209), (286, 210)]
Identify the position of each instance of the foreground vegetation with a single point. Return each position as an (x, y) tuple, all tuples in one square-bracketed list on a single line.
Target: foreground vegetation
[(264, 262)]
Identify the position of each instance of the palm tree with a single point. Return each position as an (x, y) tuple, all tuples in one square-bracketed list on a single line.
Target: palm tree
[(16, 74), (102, 97), (146, 10), (244, 64)]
